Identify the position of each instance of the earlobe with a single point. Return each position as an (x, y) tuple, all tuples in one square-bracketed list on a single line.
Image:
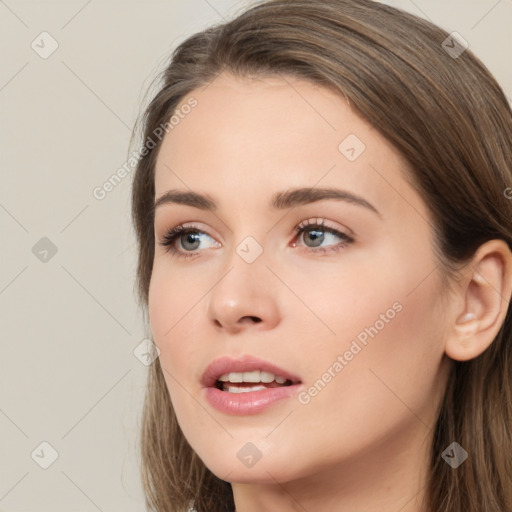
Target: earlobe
[(486, 290)]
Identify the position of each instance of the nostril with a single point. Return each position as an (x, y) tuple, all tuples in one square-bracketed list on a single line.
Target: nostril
[(254, 319)]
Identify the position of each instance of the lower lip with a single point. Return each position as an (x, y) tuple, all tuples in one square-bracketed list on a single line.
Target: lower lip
[(251, 402)]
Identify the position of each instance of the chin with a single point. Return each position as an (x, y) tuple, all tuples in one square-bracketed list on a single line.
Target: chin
[(240, 468)]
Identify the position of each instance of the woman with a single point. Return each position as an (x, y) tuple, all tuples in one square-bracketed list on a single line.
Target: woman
[(324, 222)]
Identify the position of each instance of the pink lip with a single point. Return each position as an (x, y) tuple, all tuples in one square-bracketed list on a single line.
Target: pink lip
[(252, 402), (245, 403)]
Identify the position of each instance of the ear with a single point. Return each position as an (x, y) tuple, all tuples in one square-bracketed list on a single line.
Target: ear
[(485, 293)]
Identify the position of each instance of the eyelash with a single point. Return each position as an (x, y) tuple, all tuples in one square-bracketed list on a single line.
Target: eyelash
[(169, 239)]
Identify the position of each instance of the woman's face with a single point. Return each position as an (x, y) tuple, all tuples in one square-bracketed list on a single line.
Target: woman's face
[(351, 307)]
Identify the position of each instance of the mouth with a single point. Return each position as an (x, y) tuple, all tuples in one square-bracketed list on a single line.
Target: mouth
[(247, 385), (245, 382), (246, 374)]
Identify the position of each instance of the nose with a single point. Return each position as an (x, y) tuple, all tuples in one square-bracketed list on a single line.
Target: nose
[(246, 297)]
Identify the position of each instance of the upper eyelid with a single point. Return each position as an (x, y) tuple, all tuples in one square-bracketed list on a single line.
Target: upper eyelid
[(298, 229), (313, 222), (323, 223)]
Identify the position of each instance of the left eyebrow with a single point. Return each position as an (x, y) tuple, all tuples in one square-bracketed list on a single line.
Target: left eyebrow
[(300, 196), (280, 200)]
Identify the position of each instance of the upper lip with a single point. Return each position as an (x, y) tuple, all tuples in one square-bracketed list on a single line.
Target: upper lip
[(244, 363)]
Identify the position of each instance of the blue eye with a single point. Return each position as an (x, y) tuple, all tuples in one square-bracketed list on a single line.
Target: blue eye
[(190, 238), (317, 233)]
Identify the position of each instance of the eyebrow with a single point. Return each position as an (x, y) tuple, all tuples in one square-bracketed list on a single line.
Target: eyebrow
[(279, 201)]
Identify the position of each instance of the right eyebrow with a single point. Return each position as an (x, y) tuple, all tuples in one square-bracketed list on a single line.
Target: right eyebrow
[(203, 202)]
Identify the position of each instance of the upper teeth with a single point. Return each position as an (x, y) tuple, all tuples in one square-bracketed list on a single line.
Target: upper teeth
[(255, 376)]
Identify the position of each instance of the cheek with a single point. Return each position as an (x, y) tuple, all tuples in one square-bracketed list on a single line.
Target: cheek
[(391, 343), (171, 304), (382, 298), (172, 297), (384, 319)]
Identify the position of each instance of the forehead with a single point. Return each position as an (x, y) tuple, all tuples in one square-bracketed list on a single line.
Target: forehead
[(258, 118), (259, 135)]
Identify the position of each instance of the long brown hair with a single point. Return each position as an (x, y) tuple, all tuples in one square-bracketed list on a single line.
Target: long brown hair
[(451, 121)]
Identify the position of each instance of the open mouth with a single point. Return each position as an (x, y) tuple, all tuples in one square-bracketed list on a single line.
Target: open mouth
[(238, 382), (246, 384)]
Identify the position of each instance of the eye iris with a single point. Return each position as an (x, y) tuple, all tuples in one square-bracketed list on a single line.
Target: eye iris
[(192, 238), (317, 236)]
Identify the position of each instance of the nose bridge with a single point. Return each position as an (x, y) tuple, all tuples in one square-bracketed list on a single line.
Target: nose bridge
[(248, 251)]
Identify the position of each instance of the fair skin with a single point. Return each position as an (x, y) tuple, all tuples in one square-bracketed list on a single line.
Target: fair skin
[(362, 443)]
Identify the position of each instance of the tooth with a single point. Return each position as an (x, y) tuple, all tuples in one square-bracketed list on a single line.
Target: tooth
[(235, 389), (252, 376), (267, 377), (236, 377)]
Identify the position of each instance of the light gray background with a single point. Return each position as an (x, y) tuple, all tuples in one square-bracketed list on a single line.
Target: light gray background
[(69, 326)]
